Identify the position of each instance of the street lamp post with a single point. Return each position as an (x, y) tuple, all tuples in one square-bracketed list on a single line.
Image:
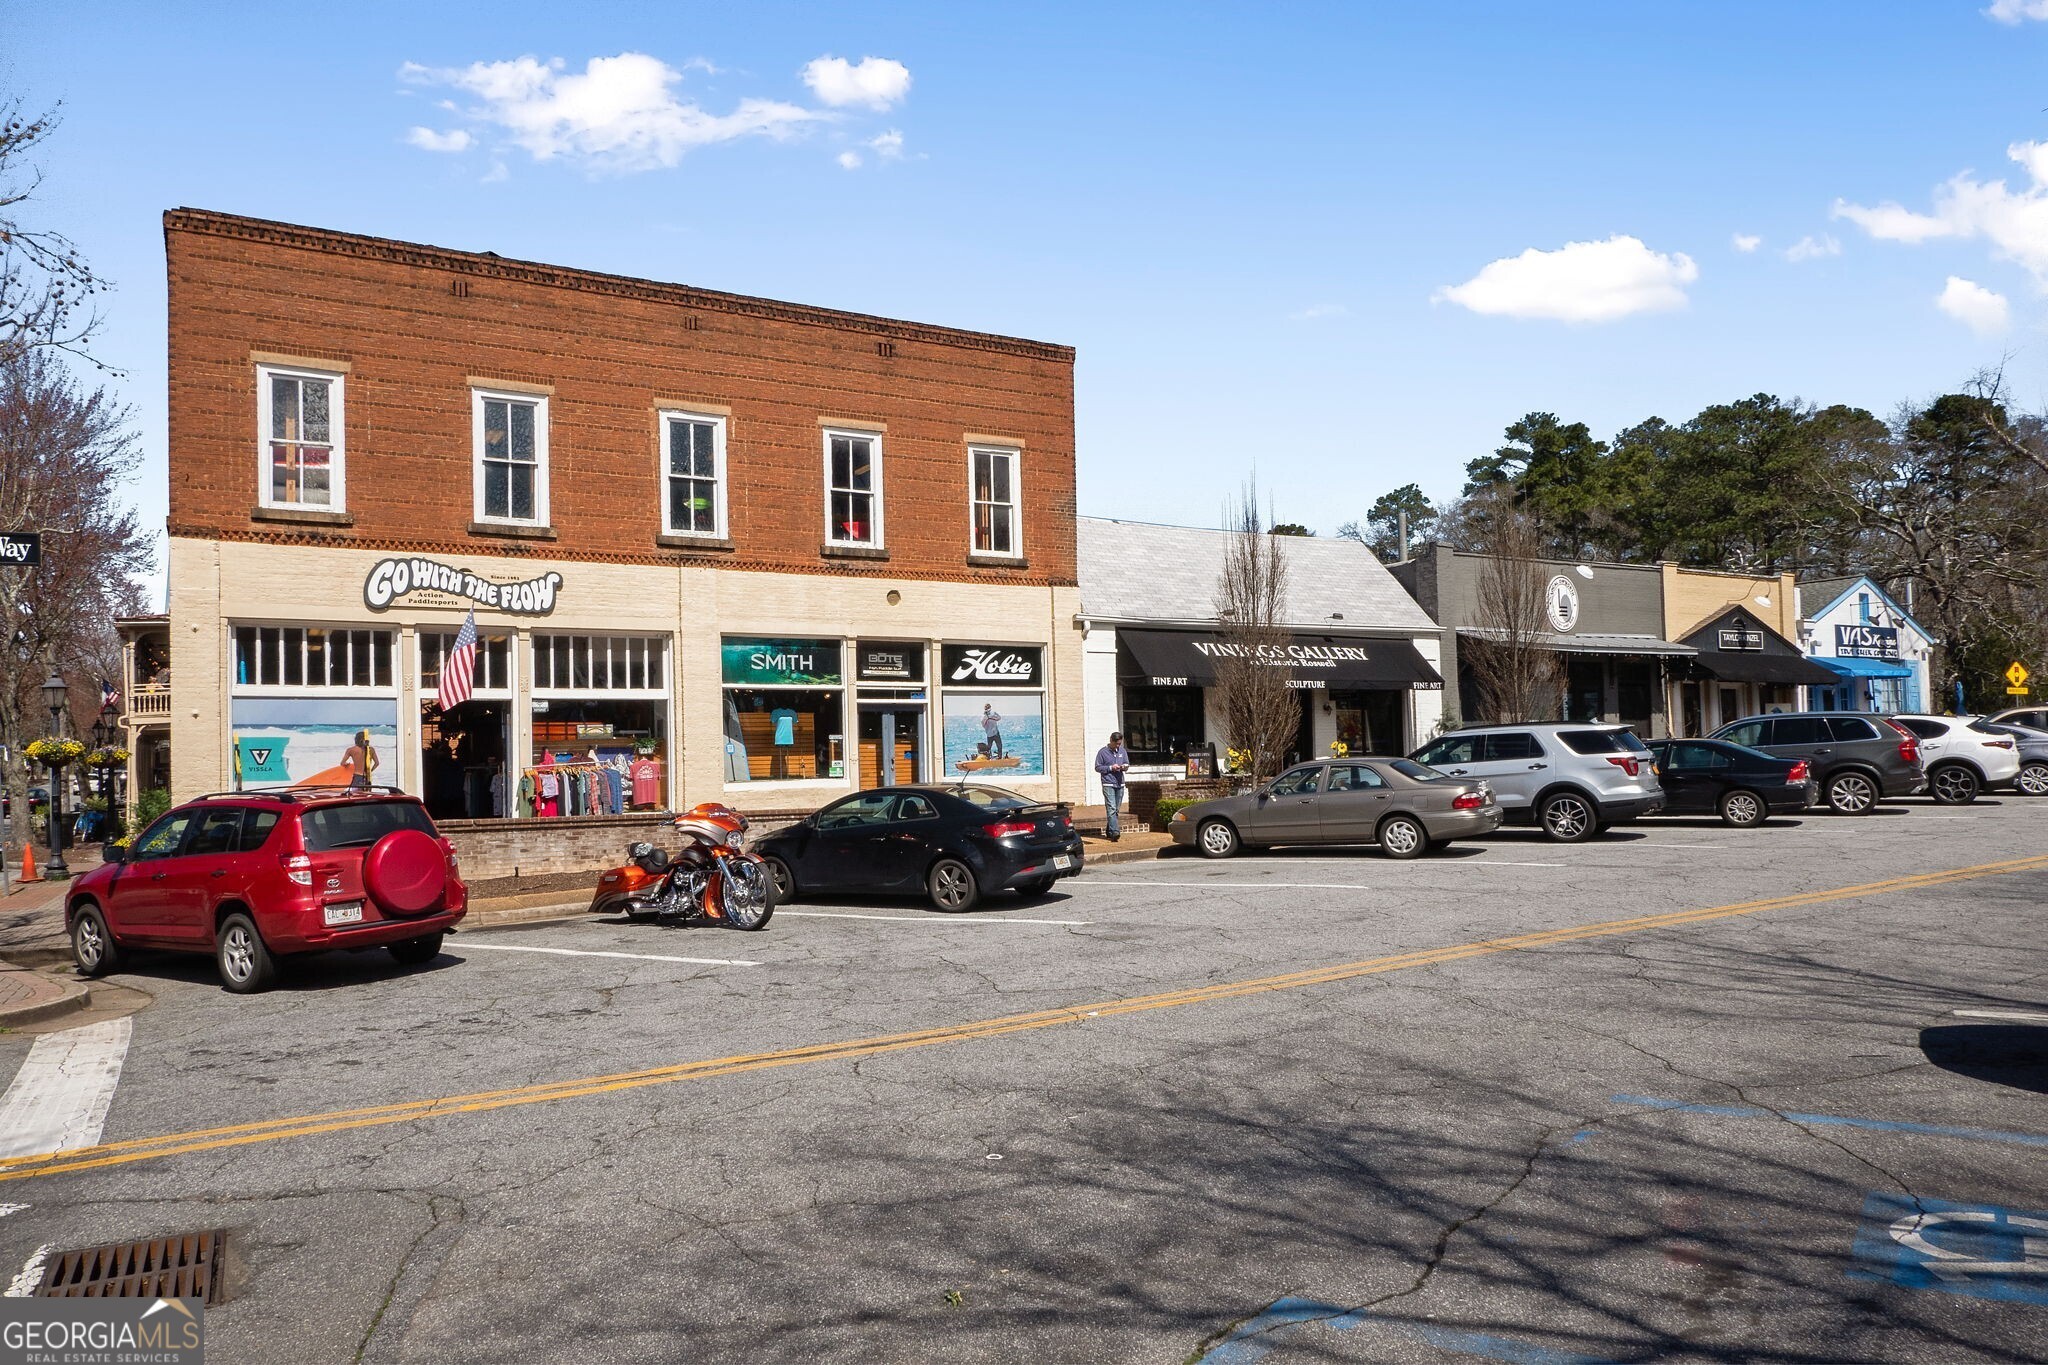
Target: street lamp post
[(54, 697), (102, 736)]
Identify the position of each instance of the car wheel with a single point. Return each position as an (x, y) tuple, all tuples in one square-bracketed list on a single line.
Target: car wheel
[(2033, 779), (417, 952), (246, 966), (92, 946), (1037, 886), (1402, 836), (1743, 809), (952, 886), (1954, 785), (1569, 818), (1216, 839), (784, 879), (1851, 794)]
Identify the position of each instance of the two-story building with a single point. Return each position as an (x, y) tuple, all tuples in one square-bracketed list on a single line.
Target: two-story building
[(714, 547)]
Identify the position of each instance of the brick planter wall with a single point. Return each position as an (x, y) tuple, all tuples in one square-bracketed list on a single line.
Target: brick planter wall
[(495, 849), (1145, 796)]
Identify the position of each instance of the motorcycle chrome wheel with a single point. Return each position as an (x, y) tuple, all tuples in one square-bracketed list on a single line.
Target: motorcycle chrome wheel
[(749, 895)]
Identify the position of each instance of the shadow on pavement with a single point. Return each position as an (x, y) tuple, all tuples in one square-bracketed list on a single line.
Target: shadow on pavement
[(2003, 1054)]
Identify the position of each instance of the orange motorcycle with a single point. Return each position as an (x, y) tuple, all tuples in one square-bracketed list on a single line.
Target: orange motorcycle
[(710, 878)]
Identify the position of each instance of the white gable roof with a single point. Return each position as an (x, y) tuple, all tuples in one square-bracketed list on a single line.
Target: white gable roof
[(1133, 571)]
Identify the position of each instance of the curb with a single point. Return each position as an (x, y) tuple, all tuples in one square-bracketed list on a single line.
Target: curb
[(71, 996), (1124, 855)]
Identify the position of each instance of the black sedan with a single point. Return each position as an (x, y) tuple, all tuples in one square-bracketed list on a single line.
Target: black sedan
[(955, 844), (1743, 786)]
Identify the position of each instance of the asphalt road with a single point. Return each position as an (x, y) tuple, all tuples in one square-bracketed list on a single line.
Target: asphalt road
[(1067, 1130)]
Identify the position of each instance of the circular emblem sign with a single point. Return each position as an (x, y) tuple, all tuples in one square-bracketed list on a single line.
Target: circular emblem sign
[(1562, 600)]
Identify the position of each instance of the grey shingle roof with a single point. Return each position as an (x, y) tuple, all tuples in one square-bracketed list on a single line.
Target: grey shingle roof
[(1136, 571)]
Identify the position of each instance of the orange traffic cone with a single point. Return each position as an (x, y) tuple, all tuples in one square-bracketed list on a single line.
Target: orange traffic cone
[(28, 864)]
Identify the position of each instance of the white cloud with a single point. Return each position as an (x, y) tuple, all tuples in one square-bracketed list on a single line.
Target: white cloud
[(617, 114), (427, 140), (1746, 242), (888, 146), (1319, 310), (2013, 222), (2017, 11), (1579, 282), (849, 161), (1813, 248), (873, 82), (1982, 310)]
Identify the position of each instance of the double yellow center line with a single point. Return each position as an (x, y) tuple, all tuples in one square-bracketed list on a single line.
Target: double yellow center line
[(341, 1120)]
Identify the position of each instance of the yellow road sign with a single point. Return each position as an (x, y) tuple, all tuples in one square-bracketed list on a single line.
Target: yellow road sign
[(2015, 691), (2017, 674)]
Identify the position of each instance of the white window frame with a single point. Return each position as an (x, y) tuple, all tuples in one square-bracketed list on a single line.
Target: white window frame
[(874, 439), (304, 687), (717, 424), (1015, 504), (337, 430), (506, 690), (539, 402), (596, 647)]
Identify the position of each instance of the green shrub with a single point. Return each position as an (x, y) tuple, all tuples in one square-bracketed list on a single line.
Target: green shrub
[(150, 803), (1162, 814)]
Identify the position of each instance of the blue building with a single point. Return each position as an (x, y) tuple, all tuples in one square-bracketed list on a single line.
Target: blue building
[(1876, 650)]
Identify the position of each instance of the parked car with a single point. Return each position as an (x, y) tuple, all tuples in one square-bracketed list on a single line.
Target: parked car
[(1963, 756), (253, 877), (955, 844), (38, 797), (1858, 758), (1743, 786), (2029, 717), (1404, 807), (2033, 750), (1570, 780)]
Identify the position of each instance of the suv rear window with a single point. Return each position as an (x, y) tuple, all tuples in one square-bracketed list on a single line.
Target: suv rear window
[(1926, 729), (1852, 727), (1512, 744), (1603, 742), (361, 823), (1799, 730)]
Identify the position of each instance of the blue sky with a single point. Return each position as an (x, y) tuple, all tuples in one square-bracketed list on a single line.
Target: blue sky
[(1268, 229)]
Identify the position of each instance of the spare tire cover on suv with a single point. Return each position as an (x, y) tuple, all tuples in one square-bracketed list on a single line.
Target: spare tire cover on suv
[(406, 872)]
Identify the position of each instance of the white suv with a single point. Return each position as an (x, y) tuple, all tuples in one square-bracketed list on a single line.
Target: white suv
[(1963, 755), (1571, 780)]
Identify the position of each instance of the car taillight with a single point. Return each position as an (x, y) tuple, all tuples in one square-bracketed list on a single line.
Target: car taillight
[(449, 849), (1799, 772), (1631, 766), (1469, 801), (1998, 744), (298, 867), (1003, 829)]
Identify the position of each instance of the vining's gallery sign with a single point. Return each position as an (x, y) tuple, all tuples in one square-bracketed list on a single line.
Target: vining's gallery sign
[(430, 583)]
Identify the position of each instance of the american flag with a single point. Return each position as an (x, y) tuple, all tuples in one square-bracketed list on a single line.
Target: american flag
[(458, 670), (108, 695)]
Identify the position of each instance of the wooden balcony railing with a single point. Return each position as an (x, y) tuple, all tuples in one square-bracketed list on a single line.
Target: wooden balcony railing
[(149, 699)]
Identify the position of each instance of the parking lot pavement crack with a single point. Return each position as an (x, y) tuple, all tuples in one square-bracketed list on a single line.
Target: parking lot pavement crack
[(438, 1207)]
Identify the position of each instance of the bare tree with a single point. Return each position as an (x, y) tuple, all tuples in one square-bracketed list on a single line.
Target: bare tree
[(1259, 709), (46, 288), (63, 452), (1515, 668)]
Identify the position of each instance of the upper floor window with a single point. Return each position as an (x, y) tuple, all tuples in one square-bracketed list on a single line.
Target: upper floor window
[(299, 430), (693, 474), (992, 500), (511, 458), (853, 488), (309, 656)]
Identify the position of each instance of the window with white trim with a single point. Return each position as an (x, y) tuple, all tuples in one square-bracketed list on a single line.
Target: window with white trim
[(992, 500), (693, 474), (600, 663), (493, 674), (853, 488), (511, 458), (302, 657), (299, 439)]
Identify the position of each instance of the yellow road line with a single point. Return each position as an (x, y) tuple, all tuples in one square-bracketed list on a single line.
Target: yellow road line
[(308, 1125)]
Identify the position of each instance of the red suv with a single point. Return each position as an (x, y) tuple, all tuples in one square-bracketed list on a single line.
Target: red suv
[(255, 876)]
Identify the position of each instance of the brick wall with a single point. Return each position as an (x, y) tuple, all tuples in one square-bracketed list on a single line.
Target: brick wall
[(495, 849), (411, 326)]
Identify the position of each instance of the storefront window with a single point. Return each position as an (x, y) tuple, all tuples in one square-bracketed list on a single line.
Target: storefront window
[(1161, 724), (309, 656), (465, 751), (785, 709), (993, 711), (599, 727)]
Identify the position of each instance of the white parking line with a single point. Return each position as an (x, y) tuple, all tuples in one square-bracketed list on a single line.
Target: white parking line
[(930, 919), (468, 943), (2028, 1015), (60, 1096)]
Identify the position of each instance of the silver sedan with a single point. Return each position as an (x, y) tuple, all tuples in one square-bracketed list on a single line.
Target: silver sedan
[(1403, 806)]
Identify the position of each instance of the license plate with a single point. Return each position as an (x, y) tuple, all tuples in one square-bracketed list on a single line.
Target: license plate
[(344, 912), (1063, 862)]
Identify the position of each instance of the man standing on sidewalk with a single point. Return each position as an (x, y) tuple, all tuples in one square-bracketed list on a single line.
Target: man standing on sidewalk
[(1111, 762)]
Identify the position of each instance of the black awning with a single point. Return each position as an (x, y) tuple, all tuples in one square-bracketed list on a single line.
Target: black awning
[(1743, 666), (1166, 658)]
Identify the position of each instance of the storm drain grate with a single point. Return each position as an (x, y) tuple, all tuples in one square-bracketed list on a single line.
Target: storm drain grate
[(167, 1268)]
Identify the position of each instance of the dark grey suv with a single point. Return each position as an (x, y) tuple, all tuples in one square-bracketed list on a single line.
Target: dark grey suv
[(1857, 758)]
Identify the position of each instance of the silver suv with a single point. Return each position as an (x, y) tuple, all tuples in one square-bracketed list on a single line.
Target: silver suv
[(1571, 780)]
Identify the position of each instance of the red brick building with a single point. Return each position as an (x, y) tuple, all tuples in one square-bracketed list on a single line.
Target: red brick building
[(729, 547)]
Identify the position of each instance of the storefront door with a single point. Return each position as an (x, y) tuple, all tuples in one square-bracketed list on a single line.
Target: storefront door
[(891, 744)]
